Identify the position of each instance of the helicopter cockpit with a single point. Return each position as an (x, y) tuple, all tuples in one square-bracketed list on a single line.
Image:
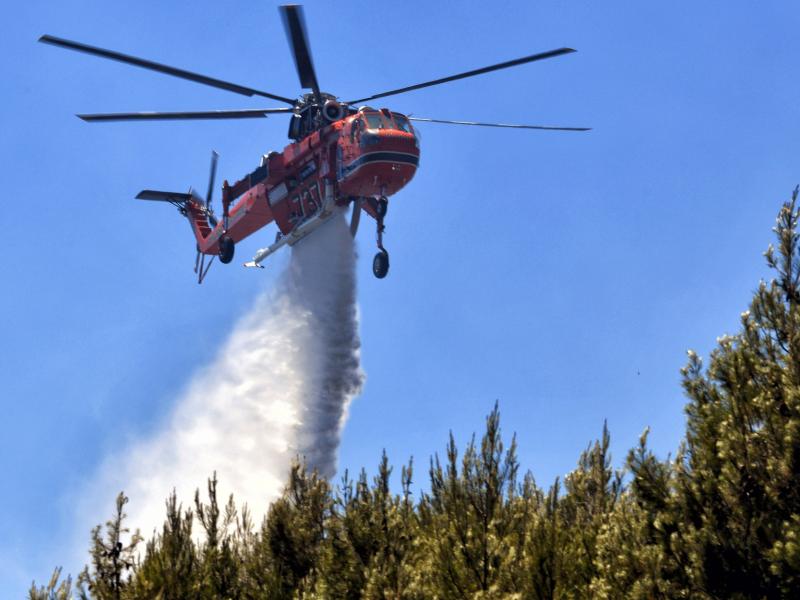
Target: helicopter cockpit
[(370, 126), (384, 119)]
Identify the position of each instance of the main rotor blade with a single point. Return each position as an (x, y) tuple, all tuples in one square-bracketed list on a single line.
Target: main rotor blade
[(212, 175), (497, 67), (255, 113), (158, 195), (295, 25), (546, 127), (154, 66)]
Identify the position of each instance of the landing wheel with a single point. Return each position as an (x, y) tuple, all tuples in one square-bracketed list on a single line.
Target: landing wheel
[(380, 264), (226, 247), (382, 207)]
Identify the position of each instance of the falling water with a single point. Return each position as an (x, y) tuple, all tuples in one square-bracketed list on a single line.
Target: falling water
[(279, 387)]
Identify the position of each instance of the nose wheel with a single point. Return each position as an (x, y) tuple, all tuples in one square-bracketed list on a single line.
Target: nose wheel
[(380, 264)]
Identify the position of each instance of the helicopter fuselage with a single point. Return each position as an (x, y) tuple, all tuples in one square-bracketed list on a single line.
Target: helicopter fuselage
[(366, 155)]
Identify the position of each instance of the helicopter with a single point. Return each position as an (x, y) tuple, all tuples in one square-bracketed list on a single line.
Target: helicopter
[(341, 153)]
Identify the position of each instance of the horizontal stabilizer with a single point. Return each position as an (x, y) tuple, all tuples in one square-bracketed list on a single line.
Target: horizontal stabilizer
[(163, 196)]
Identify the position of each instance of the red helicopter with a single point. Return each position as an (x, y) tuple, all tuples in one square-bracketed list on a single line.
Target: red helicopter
[(339, 155)]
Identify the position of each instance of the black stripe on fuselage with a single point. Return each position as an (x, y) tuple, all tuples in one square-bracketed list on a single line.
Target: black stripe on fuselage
[(395, 157)]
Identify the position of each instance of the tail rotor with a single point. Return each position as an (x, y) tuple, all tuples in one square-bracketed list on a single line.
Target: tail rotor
[(199, 262), (191, 205)]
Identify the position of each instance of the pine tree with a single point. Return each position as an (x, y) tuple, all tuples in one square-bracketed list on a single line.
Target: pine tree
[(592, 490), (219, 566), (55, 589), (634, 556), (169, 570), (112, 559), (542, 550), (737, 481), (393, 569), (292, 535), (469, 518)]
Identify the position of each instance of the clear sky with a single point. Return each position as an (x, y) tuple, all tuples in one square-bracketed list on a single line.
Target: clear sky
[(563, 274)]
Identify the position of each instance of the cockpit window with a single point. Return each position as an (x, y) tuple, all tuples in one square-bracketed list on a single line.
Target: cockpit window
[(402, 123), (375, 121), (386, 120)]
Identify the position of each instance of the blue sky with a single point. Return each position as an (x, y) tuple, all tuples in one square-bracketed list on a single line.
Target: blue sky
[(564, 275)]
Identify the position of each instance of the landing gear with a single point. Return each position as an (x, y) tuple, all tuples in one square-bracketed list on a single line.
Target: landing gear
[(380, 264), (200, 266), (382, 207), (226, 248)]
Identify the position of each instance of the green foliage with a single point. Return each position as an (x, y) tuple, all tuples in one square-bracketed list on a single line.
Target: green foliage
[(633, 559), (736, 482), (111, 559), (294, 530), (218, 555), (470, 519), (169, 570), (55, 590), (592, 491), (369, 545), (720, 520)]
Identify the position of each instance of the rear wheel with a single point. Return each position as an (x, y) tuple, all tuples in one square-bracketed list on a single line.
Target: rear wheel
[(226, 248), (380, 264)]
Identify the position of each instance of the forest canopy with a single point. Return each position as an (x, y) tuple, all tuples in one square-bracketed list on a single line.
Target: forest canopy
[(720, 519)]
